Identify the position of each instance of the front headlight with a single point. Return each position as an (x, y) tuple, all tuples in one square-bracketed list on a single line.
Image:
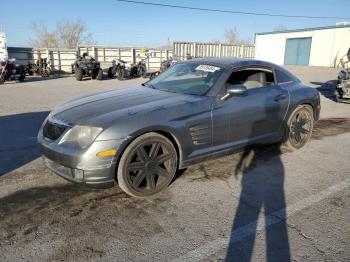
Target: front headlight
[(81, 136)]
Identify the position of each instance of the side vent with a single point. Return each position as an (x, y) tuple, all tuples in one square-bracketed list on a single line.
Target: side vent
[(200, 134)]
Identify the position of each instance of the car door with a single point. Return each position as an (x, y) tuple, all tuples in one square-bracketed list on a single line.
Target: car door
[(254, 116)]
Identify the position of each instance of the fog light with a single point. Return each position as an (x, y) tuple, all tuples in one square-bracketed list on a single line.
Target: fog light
[(78, 174)]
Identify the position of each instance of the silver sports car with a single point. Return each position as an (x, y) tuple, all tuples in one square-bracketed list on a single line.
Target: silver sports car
[(140, 136)]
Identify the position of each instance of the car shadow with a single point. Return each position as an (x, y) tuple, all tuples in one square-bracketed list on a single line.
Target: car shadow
[(327, 88), (18, 139)]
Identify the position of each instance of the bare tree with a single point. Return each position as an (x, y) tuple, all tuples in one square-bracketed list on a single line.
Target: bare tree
[(73, 33), (232, 37), (279, 28), (68, 34), (43, 38)]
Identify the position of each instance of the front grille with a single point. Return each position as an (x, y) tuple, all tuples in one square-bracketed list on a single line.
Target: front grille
[(52, 131)]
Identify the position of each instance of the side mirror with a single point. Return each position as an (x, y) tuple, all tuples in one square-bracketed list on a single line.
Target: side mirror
[(234, 90)]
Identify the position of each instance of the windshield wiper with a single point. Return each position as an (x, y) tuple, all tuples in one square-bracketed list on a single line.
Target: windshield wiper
[(167, 90), (148, 85)]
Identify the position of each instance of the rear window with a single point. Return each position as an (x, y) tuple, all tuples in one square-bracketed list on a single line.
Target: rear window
[(282, 77)]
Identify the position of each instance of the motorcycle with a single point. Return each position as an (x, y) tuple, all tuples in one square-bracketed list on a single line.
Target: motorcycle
[(10, 71)]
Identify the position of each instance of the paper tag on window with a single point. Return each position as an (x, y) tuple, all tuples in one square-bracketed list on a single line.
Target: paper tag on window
[(207, 68)]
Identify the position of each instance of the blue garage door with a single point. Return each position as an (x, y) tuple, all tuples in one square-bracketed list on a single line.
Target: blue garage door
[(297, 51)]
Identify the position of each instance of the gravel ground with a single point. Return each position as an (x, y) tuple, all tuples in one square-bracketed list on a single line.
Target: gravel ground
[(286, 205)]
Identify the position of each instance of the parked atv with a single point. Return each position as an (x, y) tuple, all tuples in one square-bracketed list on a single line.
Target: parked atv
[(10, 71), (117, 69), (41, 68), (342, 91), (121, 69), (86, 66)]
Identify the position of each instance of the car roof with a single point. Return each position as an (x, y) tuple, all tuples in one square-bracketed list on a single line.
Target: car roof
[(229, 61)]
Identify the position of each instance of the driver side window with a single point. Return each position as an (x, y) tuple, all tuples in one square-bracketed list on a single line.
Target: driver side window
[(252, 78)]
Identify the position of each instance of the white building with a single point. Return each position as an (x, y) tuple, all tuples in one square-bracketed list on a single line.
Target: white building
[(322, 46), (3, 47)]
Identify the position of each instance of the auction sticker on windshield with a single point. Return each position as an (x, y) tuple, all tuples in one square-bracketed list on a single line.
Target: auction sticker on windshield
[(207, 68)]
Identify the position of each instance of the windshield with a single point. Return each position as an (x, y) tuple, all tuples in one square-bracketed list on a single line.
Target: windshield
[(187, 78)]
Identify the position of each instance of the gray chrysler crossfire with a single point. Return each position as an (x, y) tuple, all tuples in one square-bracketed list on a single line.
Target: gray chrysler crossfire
[(140, 136)]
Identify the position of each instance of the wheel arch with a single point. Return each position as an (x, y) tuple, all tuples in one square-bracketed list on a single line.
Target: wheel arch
[(307, 103), (162, 131)]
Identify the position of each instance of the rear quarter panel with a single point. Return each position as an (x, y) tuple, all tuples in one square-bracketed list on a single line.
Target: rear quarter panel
[(302, 94)]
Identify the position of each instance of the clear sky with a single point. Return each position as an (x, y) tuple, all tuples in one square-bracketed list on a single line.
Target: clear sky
[(125, 24)]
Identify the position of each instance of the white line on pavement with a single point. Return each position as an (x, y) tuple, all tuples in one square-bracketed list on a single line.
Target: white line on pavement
[(251, 228)]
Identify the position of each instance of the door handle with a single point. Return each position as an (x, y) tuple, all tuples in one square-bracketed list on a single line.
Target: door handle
[(280, 97)]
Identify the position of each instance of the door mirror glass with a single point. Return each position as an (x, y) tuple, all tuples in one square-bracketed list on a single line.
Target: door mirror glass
[(234, 90)]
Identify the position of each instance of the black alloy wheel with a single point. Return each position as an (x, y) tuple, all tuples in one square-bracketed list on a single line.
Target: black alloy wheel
[(147, 166)]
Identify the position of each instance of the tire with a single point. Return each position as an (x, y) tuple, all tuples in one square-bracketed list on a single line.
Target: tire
[(99, 74), (120, 74), (147, 166), (141, 71), (78, 73), (22, 77), (110, 73), (338, 98), (299, 127), (22, 73)]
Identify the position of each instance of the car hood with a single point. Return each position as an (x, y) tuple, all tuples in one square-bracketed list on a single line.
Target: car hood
[(102, 108)]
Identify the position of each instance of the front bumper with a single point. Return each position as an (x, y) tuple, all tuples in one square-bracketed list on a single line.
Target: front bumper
[(80, 166)]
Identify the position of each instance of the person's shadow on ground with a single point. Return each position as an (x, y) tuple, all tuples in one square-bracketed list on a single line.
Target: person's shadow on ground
[(262, 194)]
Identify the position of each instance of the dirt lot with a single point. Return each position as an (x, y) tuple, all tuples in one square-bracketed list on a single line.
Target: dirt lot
[(287, 205)]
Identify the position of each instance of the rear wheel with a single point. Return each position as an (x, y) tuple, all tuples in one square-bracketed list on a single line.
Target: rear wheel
[(78, 73), (338, 98), (111, 73), (147, 166), (299, 127), (22, 76), (120, 74), (99, 74)]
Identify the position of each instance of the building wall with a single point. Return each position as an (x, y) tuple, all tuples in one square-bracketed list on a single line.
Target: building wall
[(327, 48)]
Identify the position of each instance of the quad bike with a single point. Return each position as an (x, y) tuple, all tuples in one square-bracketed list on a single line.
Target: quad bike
[(42, 67), (86, 66), (342, 91), (121, 69), (10, 71)]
